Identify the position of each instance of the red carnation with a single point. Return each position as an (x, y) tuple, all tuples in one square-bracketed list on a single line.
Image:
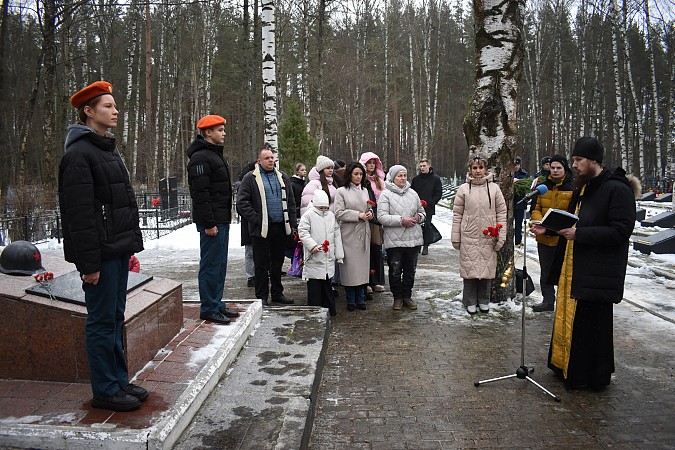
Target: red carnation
[(372, 271), (325, 245), (424, 204), (155, 201), (372, 203)]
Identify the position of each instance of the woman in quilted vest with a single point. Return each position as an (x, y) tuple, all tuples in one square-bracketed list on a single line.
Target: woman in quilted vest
[(401, 213), (478, 214)]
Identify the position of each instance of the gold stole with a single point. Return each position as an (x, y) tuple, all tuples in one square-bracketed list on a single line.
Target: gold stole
[(563, 324)]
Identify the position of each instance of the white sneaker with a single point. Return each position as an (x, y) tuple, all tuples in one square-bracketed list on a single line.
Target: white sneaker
[(369, 290), (378, 288), (471, 309)]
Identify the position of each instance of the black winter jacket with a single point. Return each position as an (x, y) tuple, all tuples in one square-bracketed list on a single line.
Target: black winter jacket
[(210, 184), (99, 214), (298, 185), (429, 188), (606, 222)]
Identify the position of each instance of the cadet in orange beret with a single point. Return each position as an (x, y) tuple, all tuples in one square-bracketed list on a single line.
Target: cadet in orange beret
[(93, 185), (211, 192)]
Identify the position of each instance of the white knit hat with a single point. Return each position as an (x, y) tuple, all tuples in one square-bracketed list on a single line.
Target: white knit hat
[(323, 162), (320, 198), (394, 170)]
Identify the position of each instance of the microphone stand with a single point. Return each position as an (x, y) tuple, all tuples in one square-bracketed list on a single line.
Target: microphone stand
[(523, 372)]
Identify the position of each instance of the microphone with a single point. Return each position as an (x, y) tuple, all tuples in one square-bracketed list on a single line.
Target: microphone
[(539, 190)]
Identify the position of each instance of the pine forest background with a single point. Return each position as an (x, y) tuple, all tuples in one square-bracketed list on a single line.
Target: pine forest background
[(389, 76)]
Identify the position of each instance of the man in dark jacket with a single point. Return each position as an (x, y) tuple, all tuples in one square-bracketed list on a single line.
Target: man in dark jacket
[(265, 200), (590, 269), (211, 192), (100, 232), (430, 189)]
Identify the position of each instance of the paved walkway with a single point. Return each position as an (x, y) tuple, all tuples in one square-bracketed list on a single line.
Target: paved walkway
[(405, 380)]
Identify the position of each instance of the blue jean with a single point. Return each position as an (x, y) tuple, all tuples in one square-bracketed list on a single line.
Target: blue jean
[(356, 295), (106, 302), (212, 267)]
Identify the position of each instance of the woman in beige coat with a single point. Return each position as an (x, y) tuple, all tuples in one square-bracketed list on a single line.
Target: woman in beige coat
[(479, 204), (353, 213)]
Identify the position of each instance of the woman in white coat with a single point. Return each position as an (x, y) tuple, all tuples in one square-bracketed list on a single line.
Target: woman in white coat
[(322, 244), (401, 213), (479, 204), (353, 213)]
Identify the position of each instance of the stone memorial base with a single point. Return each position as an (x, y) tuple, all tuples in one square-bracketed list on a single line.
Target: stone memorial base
[(43, 338)]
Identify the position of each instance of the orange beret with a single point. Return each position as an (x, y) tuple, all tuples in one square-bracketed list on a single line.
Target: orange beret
[(210, 121), (94, 90)]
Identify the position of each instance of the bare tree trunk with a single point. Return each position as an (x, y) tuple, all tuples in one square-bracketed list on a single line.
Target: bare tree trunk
[(321, 22), (618, 115), (387, 94), (658, 121), (413, 95), (149, 122), (491, 125), (639, 116), (269, 75), (49, 93)]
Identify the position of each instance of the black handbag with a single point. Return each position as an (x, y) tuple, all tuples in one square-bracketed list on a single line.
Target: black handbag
[(519, 282), (431, 234)]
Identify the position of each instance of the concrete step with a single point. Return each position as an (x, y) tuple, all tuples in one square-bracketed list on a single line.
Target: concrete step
[(268, 397)]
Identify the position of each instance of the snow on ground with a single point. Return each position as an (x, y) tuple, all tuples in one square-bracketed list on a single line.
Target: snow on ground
[(178, 254)]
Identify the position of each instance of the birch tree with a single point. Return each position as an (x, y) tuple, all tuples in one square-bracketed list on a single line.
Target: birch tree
[(618, 114), (269, 75), (491, 125)]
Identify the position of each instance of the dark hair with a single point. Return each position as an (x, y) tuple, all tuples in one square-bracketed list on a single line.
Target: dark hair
[(324, 183), (91, 103), (351, 167)]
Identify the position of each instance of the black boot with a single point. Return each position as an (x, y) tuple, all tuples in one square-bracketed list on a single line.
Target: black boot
[(425, 250), (543, 306)]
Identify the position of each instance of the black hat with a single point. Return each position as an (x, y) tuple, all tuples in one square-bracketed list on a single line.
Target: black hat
[(545, 160), (517, 160), (589, 148), (562, 160), (21, 258)]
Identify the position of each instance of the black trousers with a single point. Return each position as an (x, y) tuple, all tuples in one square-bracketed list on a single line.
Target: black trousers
[(402, 266), (376, 265), (320, 293), (546, 257), (268, 256)]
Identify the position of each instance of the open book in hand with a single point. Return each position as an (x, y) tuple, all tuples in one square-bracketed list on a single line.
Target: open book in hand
[(557, 219)]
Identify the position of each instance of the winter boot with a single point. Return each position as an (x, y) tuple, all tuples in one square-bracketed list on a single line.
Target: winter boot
[(543, 306)]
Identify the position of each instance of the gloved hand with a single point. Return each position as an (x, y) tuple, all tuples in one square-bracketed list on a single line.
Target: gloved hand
[(408, 222)]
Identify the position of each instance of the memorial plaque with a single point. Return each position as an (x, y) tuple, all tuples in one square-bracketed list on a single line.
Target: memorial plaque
[(664, 220), (662, 242), (648, 196), (68, 287)]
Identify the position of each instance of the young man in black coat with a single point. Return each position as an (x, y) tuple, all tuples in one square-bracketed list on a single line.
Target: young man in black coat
[(211, 192), (100, 232), (590, 269), (430, 189)]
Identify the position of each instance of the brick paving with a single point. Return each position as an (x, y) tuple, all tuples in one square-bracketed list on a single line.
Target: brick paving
[(405, 380)]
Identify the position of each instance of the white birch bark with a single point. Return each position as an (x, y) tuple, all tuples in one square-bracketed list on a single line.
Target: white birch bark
[(386, 76), (670, 125), (267, 20), (639, 115), (618, 114), (491, 126), (658, 120)]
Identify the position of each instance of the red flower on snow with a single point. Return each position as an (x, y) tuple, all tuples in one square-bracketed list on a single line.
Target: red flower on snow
[(325, 245), (424, 204)]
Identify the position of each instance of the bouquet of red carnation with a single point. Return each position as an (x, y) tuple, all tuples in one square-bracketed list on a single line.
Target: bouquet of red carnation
[(325, 245), (424, 204), (493, 232), (43, 279)]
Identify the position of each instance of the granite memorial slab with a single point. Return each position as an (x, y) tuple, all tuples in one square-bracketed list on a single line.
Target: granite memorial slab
[(68, 287)]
